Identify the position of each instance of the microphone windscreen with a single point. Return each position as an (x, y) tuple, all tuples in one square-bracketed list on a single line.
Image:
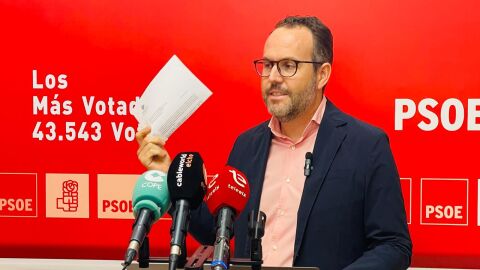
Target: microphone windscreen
[(186, 178), (229, 188), (151, 192)]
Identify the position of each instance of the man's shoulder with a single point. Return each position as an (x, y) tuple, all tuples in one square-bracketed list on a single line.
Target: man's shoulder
[(365, 128), (248, 144), (254, 135), (255, 131), (355, 125)]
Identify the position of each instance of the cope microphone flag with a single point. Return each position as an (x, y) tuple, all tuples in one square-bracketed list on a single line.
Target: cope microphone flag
[(227, 195), (150, 201), (186, 184)]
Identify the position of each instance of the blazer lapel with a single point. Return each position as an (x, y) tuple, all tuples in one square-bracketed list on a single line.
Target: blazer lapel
[(256, 174), (330, 136), (261, 158)]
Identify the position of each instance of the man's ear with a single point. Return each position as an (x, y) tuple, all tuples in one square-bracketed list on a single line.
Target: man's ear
[(323, 75)]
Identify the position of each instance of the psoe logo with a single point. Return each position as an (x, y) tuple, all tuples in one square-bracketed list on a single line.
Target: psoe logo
[(69, 200), (155, 176), (406, 109), (67, 195), (18, 194)]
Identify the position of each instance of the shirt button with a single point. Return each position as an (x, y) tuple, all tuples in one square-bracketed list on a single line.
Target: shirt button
[(288, 180), (282, 212), (274, 247), (292, 147)]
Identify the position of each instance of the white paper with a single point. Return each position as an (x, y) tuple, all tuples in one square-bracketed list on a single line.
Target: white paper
[(170, 99)]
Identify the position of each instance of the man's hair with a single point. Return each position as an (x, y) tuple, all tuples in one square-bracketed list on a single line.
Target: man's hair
[(322, 37)]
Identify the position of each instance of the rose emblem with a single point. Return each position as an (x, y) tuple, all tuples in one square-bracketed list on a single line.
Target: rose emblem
[(70, 186)]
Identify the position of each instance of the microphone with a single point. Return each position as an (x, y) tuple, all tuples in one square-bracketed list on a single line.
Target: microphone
[(186, 184), (150, 201), (227, 195), (307, 170), (256, 230)]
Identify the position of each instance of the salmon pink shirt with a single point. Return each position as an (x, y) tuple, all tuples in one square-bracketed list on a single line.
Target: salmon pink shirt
[(283, 187)]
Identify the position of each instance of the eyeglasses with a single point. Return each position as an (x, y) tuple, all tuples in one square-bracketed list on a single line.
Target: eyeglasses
[(285, 67)]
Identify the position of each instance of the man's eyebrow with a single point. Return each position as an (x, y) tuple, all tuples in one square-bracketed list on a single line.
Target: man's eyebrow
[(283, 58)]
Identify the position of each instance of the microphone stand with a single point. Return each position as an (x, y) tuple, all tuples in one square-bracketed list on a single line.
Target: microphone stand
[(195, 262), (256, 230), (144, 254)]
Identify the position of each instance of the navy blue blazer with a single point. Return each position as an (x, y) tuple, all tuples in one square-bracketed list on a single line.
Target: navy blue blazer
[(351, 214)]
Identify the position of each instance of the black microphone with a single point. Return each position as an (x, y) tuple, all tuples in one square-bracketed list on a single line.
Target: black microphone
[(307, 170), (186, 185), (256, 230)]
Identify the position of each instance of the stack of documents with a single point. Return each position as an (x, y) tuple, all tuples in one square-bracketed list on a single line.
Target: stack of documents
[(170, 99)]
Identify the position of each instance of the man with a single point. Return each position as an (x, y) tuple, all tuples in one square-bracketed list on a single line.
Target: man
[(348, 213)]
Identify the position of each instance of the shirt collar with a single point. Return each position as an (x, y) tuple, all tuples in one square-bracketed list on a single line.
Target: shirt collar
[(274, 124)]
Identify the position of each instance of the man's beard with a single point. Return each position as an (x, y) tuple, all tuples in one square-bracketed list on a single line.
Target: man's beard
[(298, 103)]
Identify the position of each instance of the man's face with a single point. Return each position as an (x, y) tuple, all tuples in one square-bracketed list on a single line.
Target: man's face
[(288, 97)]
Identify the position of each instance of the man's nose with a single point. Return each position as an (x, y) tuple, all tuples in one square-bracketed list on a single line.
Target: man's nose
[(275, 75)]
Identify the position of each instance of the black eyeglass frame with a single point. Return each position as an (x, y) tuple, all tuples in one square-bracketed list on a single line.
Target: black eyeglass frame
[(275, 63)]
